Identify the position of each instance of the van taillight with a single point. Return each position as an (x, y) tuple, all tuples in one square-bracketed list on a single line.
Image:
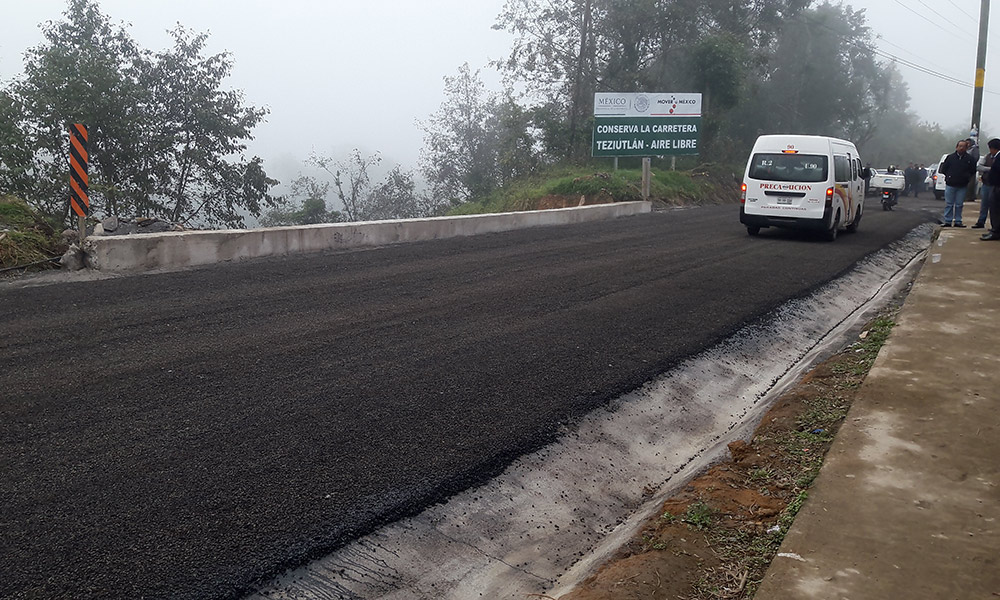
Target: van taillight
[(743, 193), (829, 196), (933, 177)]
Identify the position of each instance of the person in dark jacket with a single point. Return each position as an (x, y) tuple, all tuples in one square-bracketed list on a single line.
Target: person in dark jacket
[(958, 170), (993, 176), (984, 165), (909, 179)]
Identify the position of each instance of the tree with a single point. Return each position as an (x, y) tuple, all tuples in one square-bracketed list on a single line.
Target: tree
[(565, 50), (823, 77), (86, 72), (312, 210), (200, 126), (476, 142), (719, 66), (513, 131), (395, 197), (165, 139), (455, 157), (554, 56), (355, 168), (15, 150)]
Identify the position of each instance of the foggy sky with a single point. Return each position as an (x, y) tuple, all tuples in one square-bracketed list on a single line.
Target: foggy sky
[(338, 75), (942, 36), (335, 75)]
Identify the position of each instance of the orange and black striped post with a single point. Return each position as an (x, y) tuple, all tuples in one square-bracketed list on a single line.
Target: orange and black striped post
[(78, 161)]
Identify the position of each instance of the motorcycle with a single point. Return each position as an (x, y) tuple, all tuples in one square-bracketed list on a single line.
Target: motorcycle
[(889, 198)]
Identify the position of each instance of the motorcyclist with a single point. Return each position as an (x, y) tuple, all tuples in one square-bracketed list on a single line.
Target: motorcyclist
[(889, 195)]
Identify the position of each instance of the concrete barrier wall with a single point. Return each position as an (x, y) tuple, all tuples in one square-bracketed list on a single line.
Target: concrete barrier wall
[(191, 248)]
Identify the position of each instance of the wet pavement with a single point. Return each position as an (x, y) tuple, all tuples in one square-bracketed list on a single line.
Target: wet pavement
[(907, 504)]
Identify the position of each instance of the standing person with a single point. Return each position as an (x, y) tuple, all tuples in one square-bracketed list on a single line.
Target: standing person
[(907, 179), (958, 169), (984, 167), (973, 151), (921, 179), (994, 232)]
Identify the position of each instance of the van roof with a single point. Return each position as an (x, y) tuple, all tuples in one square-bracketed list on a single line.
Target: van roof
[(806, 143)]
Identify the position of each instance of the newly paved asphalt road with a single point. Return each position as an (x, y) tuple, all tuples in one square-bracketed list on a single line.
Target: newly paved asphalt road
[(185, 435)]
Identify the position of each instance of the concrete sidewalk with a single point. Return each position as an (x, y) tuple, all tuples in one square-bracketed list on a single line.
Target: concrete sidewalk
[(907, 504)]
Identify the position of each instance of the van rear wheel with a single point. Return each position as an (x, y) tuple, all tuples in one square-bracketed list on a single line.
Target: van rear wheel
[(853, 227), (753, 230), (831, 234)]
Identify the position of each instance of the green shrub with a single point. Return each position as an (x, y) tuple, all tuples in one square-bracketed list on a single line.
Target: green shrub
[(25, 236)]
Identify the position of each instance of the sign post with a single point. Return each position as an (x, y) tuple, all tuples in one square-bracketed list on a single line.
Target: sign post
[(640, 124), (646, 175), (78, 180)]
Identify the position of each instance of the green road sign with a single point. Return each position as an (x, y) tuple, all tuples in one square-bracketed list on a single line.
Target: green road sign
[(646, 136), (646, 124)]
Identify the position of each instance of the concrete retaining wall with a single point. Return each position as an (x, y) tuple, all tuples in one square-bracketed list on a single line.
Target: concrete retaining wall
[(189, 248)]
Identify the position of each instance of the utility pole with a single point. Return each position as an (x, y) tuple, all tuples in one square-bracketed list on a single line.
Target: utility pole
[(977, 99)]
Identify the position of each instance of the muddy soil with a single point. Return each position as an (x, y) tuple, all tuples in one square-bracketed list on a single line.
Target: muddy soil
[(715, 538)]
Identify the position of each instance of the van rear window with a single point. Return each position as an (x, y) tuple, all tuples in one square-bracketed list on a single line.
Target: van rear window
[(808, 168)]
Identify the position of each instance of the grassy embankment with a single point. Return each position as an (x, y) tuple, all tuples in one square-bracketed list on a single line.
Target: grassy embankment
[(574, 186), (26, 237)]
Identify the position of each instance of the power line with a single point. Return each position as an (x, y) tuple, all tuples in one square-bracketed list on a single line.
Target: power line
[(961, 10), (920, 67), (883, 53), (907, 63), (940, 15), (931, 72), (925, 62), (932, 22), (882, 39)]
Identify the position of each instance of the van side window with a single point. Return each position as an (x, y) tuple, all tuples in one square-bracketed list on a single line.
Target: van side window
[(841, 169)]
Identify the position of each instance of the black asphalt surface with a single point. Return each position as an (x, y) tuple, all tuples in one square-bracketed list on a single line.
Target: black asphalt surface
[(187, 435)]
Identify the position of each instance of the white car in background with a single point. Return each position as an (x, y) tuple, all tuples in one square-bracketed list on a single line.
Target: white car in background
[(882, 178), (935, 183)]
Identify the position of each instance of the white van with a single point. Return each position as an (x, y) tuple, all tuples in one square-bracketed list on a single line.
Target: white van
[(803, 182)]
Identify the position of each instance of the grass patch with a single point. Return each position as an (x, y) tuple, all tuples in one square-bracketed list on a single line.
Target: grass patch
[(699, 515), (762, 474), (564, 186), (793, 508), (15, 213), (867, 348), (25, 236)]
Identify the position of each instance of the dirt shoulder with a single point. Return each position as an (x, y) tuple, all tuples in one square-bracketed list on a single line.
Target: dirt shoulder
[(716, 538)]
